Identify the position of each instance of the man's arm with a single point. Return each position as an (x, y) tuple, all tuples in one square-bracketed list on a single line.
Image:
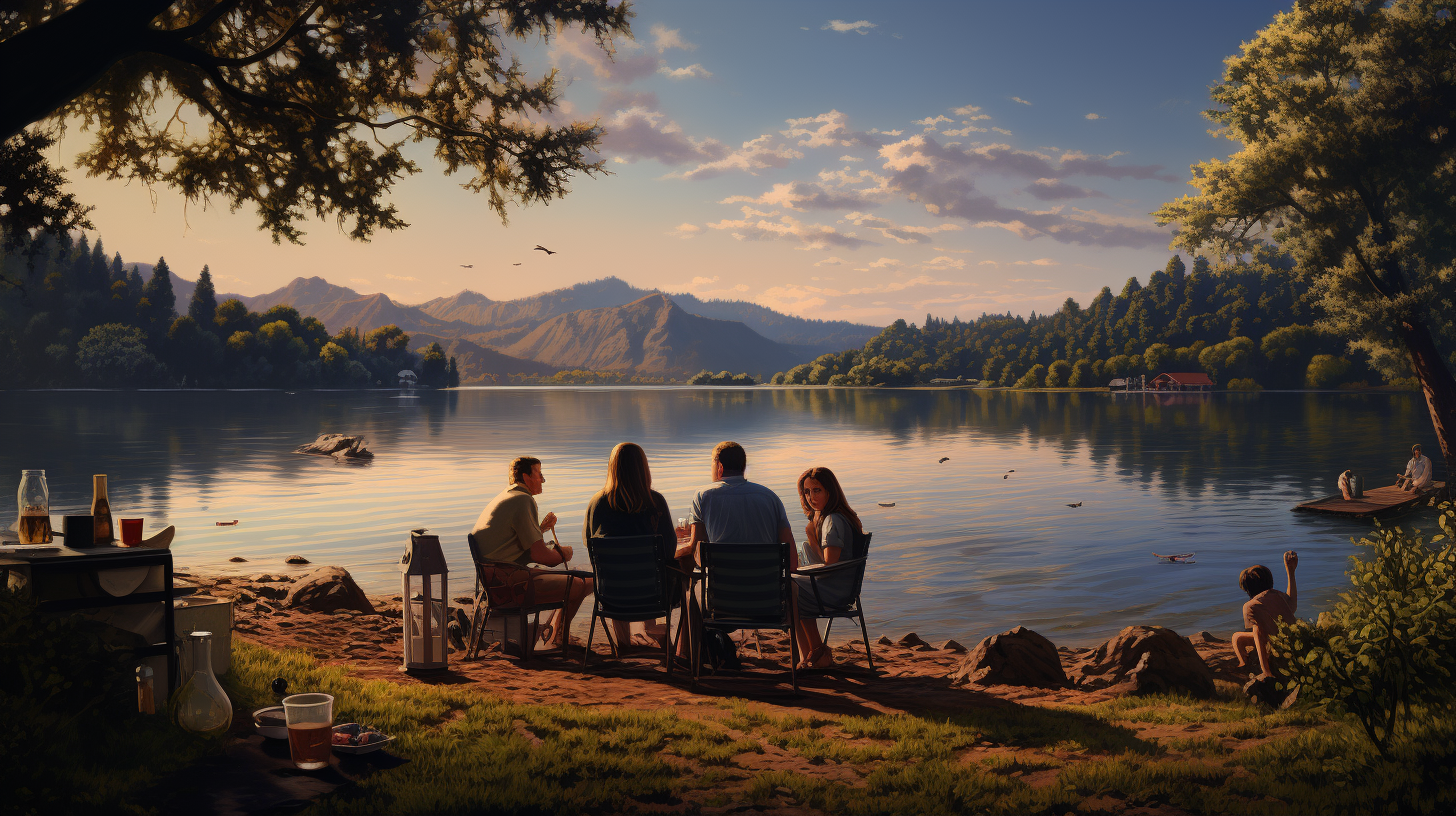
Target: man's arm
[(546, 555), (786, 535), (1291, 562), (689, 548)]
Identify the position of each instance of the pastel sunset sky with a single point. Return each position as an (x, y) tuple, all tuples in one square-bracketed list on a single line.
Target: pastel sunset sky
[(851, 160)]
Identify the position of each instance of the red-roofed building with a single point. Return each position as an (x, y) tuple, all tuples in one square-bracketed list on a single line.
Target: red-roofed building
[(1181, 382)]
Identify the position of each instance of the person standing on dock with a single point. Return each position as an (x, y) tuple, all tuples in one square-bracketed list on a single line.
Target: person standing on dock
[(1418, 472)]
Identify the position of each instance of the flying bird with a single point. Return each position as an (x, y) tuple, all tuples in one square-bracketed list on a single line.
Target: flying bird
[(467, 266), (1078, 504), (544, 249), (944, 459), (887, 504), (1013, 470)]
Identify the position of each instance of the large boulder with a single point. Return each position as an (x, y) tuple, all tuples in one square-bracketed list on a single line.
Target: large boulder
[(1146, 660), (327, 589), (339, 446), (1019, 657)]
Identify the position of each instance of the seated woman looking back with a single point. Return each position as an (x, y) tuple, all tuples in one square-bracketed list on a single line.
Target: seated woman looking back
[(628, 506), (831, 530)]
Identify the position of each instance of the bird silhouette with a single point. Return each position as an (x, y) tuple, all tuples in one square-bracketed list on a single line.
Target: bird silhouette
[(1005, 476), (544, 249), (515, 264), (1078, 504), (944, 459), (467, 266), (1013, 470), (887, 504)]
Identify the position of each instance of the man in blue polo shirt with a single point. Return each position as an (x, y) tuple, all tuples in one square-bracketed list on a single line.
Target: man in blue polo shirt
[(731, 510)]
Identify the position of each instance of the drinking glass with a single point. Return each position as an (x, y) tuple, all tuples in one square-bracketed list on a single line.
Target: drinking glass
[(131, 532), (310, 719)]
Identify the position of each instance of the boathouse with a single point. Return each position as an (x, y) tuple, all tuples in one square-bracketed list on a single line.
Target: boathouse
[(1181, 382)]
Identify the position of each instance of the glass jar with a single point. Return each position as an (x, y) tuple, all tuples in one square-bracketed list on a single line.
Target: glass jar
[(34, 498), (201, 705)]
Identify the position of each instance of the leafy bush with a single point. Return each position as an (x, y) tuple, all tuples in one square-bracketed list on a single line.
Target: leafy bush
[(1325, 371), (706, 377), (1244, 384), (1390, 643), (1032, 378)]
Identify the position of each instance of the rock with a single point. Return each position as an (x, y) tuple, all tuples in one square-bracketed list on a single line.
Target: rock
[(268, 578), (339, 446), (1145, 660), (271, 591), (911, 641), (326, 589), (884, 641), (465, 601), (952, 646), (1207, 637), (1019, 657), (238, 559), (295, 559)]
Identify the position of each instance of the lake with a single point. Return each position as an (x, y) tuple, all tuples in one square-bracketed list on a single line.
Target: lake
[(964, 552)]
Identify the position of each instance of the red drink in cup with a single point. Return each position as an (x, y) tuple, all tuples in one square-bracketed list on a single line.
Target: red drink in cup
[(310, 719), (131, 532)]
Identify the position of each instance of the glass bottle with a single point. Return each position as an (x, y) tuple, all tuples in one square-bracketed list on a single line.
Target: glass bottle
[(145, 691), (201, 705), (101, 509), (34, 498)]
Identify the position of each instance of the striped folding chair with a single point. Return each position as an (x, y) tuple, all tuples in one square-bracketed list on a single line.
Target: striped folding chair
[(633, 583)]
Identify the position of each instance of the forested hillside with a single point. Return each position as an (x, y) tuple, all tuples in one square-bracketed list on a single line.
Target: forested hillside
[(79, 318), (1251, 325)]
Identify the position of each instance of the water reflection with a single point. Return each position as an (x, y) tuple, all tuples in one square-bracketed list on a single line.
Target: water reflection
[(965, 551)]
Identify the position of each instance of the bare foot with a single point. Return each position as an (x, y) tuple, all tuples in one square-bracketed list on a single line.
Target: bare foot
[(820, 658)]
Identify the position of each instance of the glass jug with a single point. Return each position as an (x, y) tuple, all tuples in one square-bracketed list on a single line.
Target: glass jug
[(201, 705), (34, 498)]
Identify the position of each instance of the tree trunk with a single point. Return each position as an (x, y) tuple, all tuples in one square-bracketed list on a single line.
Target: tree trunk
[(1437, 383), (52, 63)]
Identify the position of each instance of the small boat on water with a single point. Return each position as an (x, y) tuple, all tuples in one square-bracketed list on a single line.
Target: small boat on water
[(1379, 502)]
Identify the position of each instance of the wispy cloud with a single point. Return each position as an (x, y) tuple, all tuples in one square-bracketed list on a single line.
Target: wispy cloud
[(1092, 116), (694, 71), (900, 234), (772, 226), (1019, 100), (400, 277), (686, 230), (755, 154), (664, 38), (859, 26)]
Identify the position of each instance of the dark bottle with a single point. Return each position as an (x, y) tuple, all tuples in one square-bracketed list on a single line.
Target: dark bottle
[(101, 509)]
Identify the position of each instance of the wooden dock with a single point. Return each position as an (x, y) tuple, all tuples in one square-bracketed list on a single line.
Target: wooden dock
[(1378, 502)]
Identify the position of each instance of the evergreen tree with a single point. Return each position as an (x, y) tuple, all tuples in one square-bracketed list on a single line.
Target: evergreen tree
[(158, 306), (203, 307), (134, 284), (118, 271), (1175, 268)]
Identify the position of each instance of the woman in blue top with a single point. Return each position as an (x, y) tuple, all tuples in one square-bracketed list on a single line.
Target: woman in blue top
[(832, 527)]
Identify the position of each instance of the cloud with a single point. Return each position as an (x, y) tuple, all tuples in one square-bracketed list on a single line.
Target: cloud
[(965, 131), (1048, 189), (694, 71), (886, 263), (760, 226), (639, 133), (1037, 262), (701, 281), (932, 122), (807, 195), (399, 277), (1003, 131), (364, 281), (900, 234), (686, 230), (966, 110), (849, 158), (664, 38), (831, 130), (900, 286), (941, 263), (1092, 116), (860, 26), (755, 154), (615, 68), (831, 261), (1019, 100), (1077, 163)]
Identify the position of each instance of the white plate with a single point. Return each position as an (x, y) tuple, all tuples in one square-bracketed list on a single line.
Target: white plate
[(278, 732), (360, 749)]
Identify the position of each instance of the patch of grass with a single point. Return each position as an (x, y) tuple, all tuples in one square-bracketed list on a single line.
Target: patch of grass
[(1007, 764), (1033, 726), (1198, 746), (1171, 709), (714, 748), (1253, 729)]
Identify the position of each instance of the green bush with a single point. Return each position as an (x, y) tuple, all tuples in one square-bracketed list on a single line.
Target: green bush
[(1243, 384), (1032, 378), (1325, 371), (1390, 642)]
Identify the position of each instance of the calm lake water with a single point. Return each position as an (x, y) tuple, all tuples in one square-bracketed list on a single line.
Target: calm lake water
[(964, 553)]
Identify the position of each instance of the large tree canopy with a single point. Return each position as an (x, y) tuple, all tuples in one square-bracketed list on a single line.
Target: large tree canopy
[(301, 107), (1345, 111)]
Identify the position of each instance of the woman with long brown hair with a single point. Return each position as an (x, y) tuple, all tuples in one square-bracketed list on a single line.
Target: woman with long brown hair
[(628, 506), (831, 530)]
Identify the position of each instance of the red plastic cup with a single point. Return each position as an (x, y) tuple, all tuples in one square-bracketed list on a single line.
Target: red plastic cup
[(131, 532)]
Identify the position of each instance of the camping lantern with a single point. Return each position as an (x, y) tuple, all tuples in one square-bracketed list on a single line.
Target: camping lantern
[(424, 572)]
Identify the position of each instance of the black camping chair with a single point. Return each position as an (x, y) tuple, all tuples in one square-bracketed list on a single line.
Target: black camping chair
[(748, 587), (633, 583), (508, 590), (852, 570)]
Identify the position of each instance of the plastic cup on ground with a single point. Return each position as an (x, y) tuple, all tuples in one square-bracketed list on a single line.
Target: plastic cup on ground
[(310, 720)]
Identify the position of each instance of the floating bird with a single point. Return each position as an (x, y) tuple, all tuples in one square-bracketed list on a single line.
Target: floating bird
[(1004, 476), (515, 264), (1181, 558), (887, 504), (944, 459), (467, 266), (1013, 470), (1078, 504), (544, 249)]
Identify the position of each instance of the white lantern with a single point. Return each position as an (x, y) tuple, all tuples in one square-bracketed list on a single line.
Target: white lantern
[(424, 574)]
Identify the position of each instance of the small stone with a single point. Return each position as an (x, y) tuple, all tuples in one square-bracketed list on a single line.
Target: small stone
[(911, 641), (295, 559), (238, 559), (884, 641), (463, 601), (285, 624), (952, 646)]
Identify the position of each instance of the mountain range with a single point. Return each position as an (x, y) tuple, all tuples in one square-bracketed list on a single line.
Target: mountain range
[(601, 325)]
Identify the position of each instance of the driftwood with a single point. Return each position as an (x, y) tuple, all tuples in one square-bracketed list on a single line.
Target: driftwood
[(339, 446)]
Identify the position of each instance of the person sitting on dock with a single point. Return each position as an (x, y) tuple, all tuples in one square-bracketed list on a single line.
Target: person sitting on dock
[(1418, 472), (1265, 608), (1347, 485)]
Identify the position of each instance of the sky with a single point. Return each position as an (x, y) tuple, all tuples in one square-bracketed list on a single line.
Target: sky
[(862, 161)]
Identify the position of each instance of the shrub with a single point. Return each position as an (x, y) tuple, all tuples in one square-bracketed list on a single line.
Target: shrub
[(116, 355), (1325, 370), (1244, 384), (1390, 642), (1032, 378), (1058, 373)]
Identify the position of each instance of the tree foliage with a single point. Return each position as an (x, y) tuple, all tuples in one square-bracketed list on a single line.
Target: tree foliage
[(301, 107), (1345, 113)]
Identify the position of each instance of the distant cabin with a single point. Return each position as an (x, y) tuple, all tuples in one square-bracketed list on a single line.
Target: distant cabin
[(407, 379), (1181, 382), (961, 380)]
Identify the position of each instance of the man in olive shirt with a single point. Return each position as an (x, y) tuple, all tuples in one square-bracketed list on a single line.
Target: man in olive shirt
[(508, 530)]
